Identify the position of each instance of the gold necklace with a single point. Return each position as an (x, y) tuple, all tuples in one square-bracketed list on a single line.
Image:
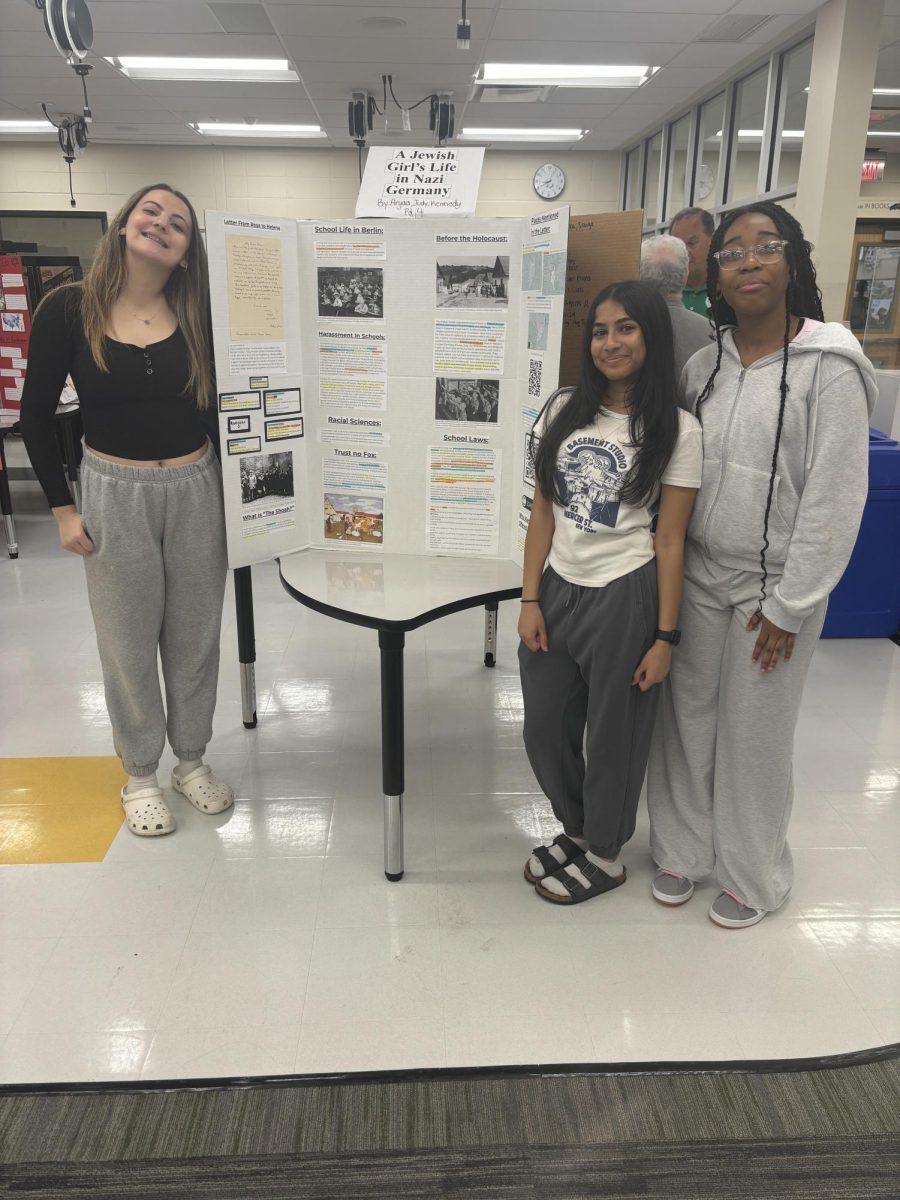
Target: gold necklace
[(147, 320)]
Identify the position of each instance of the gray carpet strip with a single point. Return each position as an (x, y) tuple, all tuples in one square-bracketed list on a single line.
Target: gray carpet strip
[(790, 1169), (676, 1133)]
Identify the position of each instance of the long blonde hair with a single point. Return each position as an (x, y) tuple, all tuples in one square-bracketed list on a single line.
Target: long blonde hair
[(186, 292)]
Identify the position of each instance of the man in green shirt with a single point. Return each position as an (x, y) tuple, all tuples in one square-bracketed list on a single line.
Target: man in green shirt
[(694, 227)]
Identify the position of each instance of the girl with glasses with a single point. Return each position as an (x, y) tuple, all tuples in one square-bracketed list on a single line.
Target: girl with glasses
[(783, 399)]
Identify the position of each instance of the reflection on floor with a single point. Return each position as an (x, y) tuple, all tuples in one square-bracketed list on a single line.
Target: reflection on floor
[(267, 940)]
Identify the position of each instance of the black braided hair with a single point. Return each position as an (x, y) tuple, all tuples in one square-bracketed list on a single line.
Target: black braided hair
[(802, 299)]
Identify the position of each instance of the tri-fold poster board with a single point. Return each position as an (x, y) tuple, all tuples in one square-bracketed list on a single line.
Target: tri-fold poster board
[(377, 380)]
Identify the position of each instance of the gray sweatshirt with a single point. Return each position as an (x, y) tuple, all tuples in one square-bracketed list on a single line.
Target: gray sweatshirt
[(821, 478)]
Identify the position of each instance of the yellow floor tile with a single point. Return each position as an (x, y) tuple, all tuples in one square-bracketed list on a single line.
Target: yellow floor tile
[(59, 810)]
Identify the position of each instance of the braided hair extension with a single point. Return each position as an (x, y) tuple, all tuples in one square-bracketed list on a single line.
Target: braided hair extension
[(802, 299)]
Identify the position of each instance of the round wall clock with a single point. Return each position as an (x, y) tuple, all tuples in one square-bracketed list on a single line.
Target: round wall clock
[(706, 181), (549, 181)]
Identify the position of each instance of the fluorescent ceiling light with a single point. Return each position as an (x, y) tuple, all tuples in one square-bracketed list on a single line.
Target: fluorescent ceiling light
[(880, 133), (886, 91), (257, 70), (564, 75), (27, 127), (484, 134), (233, 129)]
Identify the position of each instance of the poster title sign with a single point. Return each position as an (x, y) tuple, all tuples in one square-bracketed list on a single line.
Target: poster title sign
[(411, 181)]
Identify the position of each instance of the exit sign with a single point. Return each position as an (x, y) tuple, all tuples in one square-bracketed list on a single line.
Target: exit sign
[(873, 169)]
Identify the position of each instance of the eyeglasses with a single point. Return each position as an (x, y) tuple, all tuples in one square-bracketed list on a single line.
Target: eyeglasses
[(731, 259)]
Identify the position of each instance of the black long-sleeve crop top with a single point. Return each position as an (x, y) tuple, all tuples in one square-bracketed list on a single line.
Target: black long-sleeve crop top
[(138, 409)]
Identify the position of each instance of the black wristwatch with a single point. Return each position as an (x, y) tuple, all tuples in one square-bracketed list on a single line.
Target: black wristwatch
[(672, 636)]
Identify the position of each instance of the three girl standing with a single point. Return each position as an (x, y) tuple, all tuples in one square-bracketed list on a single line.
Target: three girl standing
[(783, 399)]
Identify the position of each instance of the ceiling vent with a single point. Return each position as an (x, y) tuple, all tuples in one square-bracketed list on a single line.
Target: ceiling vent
[(495, 93), (242, 18), (734, 28)]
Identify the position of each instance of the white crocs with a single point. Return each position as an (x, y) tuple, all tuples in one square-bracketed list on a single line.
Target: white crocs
[(146, 812), (207, 793)]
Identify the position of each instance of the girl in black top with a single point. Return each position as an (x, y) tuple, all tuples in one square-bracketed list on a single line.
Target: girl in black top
[(134, 338)]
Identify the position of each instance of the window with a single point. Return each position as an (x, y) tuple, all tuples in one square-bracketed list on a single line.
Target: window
[(633, 178), (678, 146), (749, 127), (795, 71), (651, 190), (707, 182)]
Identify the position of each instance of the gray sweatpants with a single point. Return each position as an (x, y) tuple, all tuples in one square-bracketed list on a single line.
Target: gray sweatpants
[(156, 583), (720, 784), (579, 697)]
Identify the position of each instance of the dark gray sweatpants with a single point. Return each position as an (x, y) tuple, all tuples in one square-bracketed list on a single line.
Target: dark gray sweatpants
[(579, 699), (156, 582)]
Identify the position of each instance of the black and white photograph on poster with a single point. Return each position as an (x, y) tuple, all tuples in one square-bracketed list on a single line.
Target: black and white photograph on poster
[(284, 428), (354, 518), (244, 445), (538, 327), (473, 282), (238, 424), (466, 399), (554, 274), (281, 402), (356, 292), (239, 401), (266, 479)]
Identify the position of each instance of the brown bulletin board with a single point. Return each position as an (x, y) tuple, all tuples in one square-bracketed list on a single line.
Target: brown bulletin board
[(603, 248)]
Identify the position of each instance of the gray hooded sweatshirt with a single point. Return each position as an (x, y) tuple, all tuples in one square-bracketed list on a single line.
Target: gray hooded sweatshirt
[(821, 478)]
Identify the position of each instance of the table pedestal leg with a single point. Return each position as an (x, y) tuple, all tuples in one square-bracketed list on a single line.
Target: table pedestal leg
[(71, 453), (391, 643), (490, 632), (243, 599), (12, 546)]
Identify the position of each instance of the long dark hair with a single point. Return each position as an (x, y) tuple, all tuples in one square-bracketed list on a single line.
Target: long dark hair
[(652, 415), (802, 299)]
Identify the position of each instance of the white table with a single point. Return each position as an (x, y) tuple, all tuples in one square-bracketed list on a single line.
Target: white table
[(394, 593)]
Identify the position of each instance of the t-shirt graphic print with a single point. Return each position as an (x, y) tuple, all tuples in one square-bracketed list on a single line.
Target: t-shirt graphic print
[(589, 474)]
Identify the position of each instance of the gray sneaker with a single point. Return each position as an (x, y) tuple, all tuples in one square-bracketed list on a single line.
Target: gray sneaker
[(671, 888), (731, 913)]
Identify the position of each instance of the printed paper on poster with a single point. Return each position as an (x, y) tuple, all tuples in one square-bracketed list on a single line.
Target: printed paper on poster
[(355, 431), (352, 369), (238, 401), (267, 493), (472, 281), (255, 288), (463, 510), (466, 399), (469, 347), (284, 428), (281, 402), (354, 483)]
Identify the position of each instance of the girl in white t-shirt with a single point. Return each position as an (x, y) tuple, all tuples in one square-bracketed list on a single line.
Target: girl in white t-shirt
[(600, 592)]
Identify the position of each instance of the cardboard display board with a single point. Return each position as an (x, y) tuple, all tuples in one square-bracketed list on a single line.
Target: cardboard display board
[(375, 378), (603, 249)]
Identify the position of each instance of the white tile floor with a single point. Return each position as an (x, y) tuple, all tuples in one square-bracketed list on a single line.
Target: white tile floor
[(268, 941)]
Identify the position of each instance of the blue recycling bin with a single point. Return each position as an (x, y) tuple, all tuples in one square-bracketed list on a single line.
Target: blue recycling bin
[(866, 601)]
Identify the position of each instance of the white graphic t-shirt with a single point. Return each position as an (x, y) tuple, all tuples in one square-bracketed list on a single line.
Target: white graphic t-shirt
[(597, 538)]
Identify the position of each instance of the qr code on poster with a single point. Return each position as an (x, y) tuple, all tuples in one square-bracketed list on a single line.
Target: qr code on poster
[(535, 368)]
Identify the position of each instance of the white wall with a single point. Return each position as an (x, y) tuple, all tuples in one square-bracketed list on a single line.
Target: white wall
[(286, 182)]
